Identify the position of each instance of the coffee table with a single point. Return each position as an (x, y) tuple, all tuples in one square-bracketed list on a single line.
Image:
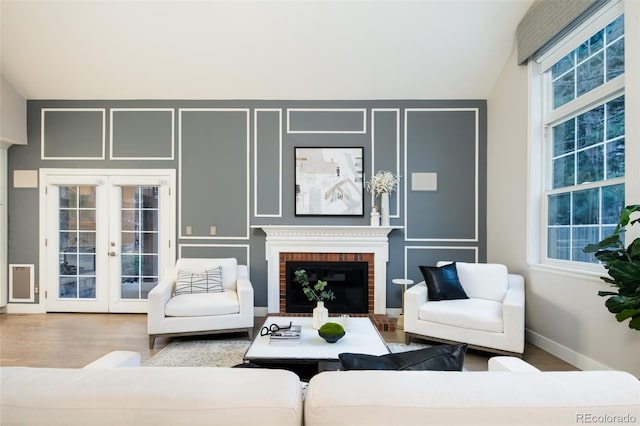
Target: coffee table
[(313, 353)]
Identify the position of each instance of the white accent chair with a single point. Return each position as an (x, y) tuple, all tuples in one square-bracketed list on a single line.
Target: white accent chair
[(491, 319), (202, 313)]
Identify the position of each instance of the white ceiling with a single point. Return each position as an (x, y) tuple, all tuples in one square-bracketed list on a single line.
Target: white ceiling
[(349, 49)]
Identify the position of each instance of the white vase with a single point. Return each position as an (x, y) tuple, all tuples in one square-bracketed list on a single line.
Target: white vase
[(320, 315), (375, 217), (384, 209)]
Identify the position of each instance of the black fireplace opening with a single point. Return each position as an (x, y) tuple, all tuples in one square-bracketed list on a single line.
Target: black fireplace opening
[(349, 281)]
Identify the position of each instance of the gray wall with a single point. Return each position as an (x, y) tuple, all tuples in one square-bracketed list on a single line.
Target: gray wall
[(229, 155)]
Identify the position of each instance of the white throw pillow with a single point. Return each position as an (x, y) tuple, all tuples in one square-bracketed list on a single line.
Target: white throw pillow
[(483, 280), (209, 281)]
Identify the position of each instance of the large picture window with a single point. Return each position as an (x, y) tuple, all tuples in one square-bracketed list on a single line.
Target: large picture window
[(584, 124)]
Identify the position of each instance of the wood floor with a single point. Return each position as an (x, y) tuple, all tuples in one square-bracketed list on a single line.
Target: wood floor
[(74, 340)]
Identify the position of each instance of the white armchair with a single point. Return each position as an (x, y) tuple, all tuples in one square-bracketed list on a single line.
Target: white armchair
[(192, 313), (492, 318)]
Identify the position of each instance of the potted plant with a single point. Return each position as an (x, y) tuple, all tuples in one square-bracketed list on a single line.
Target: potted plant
[(318, 293), (382, 183), (331, 332), (623, 266)]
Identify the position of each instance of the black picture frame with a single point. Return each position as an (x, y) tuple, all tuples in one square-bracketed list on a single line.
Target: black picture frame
[(329, 181)]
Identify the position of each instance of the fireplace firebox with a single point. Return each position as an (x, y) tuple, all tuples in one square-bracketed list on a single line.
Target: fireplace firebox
[(347, 280)]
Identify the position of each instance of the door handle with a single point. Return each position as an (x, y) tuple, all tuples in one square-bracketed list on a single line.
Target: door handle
[(112, 253)]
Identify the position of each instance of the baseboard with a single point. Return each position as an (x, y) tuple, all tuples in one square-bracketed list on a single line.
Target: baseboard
[(260, 311), (564, 353), (25, 308), (393, 312)]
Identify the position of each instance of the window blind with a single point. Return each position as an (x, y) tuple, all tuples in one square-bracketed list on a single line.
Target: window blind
[(548, 20)]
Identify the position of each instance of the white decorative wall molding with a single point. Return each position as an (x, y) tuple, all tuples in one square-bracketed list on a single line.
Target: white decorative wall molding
[(476, 203), (246, 247), (408, 248), (362, 111), (43, 116), (255, 162), (181, 227), (374, 169), (111, 142)]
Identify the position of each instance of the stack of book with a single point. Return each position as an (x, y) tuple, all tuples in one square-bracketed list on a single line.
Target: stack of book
[(286, 336)]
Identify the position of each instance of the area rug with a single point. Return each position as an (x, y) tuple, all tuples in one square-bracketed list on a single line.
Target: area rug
[(221, 353)]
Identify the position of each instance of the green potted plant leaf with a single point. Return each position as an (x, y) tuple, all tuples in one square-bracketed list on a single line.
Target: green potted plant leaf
[(623, 266), (318, 293), (331, 332)]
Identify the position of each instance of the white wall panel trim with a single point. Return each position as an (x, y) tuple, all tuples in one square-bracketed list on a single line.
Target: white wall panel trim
[(248, 175), (397, 170), (363, 111), (407, 248), (173, 121), (255, 162), (43, 112), (247, 248), (475, 237)]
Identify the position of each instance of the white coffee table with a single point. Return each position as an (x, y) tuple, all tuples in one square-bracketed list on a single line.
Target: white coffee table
[(361, 337)]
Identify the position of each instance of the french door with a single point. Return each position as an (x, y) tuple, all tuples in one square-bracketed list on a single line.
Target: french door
[(108, 236)]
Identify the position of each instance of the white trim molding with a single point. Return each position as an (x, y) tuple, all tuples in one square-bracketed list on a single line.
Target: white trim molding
[(395, 215), (360, 131), (181, 228), (255, 162), (173, 131), (475, 237), (407, 248), (43, 112)]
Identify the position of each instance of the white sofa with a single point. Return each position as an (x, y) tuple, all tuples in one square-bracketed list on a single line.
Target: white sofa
[(512, 392), (492, 318), (202, 313), (100, 394)]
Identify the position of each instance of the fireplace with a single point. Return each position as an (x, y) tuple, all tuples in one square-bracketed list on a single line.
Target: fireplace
[(327, 243), (347, 280)]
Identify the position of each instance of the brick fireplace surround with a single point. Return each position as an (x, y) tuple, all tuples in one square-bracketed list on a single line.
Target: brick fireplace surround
[(328, 243), (325, 257)]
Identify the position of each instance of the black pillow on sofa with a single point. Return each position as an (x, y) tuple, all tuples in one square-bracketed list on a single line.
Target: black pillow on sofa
[(439, 358), (442, 282)]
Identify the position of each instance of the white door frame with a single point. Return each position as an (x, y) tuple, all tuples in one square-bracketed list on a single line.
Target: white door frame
[(167, 247)]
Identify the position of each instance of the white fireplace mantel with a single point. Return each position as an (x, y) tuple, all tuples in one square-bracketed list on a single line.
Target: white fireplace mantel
[(327, 239)]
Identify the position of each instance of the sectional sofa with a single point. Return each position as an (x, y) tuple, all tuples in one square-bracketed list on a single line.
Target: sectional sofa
[(511, 392)]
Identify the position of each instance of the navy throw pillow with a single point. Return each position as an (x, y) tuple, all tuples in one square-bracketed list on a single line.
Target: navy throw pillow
[(438, 358), (442, 282)]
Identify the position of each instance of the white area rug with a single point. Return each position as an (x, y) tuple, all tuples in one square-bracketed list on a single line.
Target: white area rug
[(221, 353), (200, 353)]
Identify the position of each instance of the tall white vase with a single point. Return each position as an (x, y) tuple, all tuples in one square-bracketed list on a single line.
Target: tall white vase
[(320, 315), (384, 209)]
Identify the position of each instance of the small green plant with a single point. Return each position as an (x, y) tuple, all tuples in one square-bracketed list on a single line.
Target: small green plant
[(316, 293), (623, 266), (331, 329)]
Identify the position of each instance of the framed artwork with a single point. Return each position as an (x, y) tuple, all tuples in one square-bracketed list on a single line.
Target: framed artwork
[(329, 181)]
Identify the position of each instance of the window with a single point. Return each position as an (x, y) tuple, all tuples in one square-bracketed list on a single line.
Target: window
[(584, 123)]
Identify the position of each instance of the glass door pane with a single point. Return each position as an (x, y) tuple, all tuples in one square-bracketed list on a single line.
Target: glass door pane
[(139, 241), (77, 242)]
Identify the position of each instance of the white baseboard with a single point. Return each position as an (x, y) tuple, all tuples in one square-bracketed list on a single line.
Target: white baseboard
[(393, 312), (26, 308), (564, 353), (260, 311)]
